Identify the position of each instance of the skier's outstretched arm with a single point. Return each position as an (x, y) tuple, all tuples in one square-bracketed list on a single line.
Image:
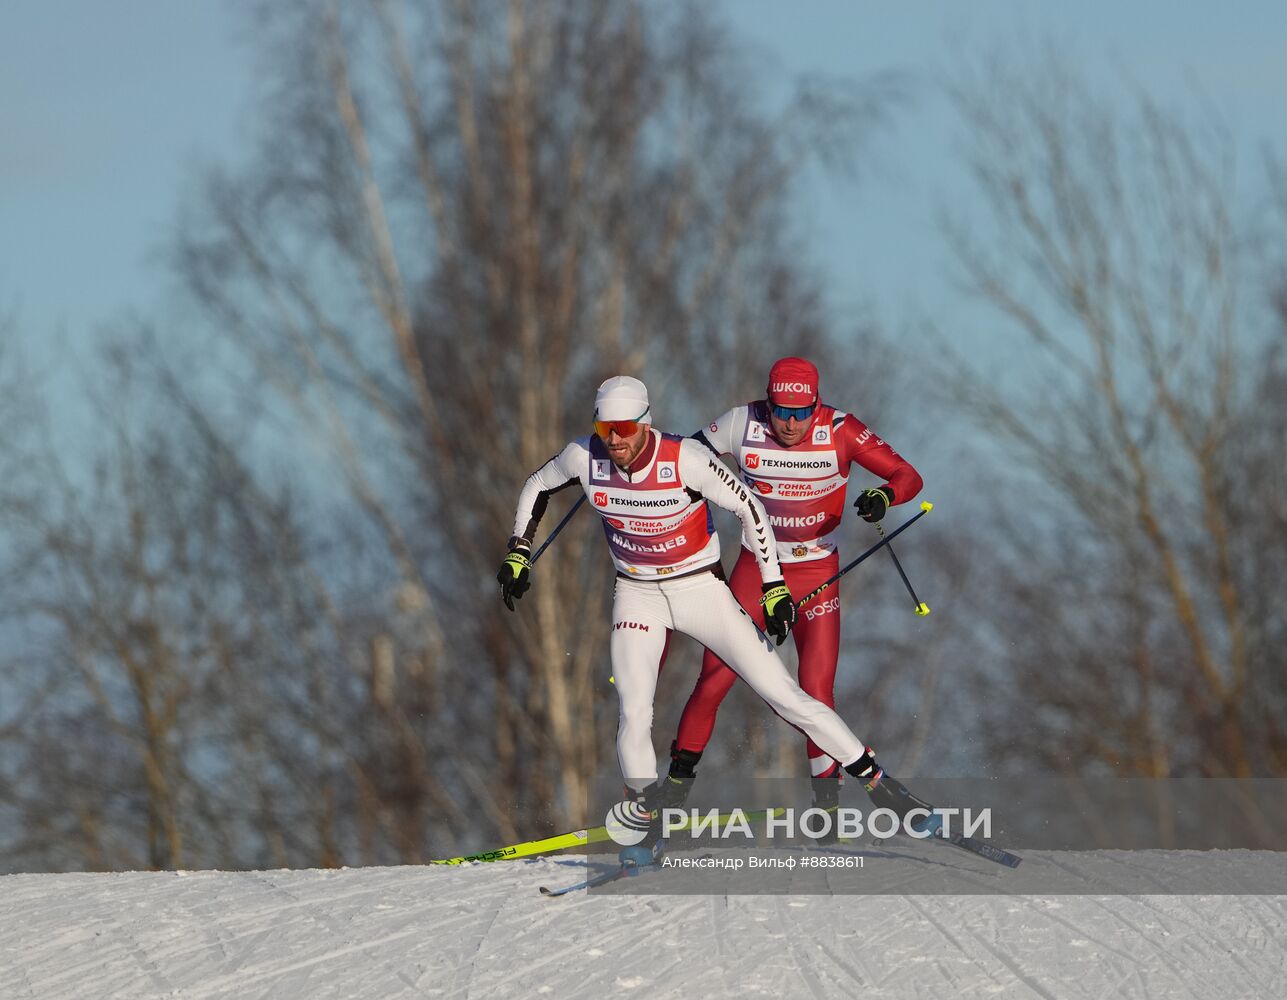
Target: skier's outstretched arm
[(859, 444), (558, 473)]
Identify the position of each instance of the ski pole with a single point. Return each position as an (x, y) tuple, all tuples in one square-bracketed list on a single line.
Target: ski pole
[(557, 528), (926, 507), (921, 608)]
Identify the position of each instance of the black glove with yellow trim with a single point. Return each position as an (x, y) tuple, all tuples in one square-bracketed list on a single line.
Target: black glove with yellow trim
[(872, 505), (515, 576), (779, 610)]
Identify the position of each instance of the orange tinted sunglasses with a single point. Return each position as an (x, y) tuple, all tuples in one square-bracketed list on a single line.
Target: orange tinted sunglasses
[(624, 428)]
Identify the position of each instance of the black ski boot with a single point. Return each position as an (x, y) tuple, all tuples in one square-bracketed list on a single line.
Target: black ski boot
[(679, 782), (886, 792), (644, 815), (826, 796)]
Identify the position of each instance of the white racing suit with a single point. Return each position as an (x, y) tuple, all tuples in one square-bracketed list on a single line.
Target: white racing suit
[(664, 546)]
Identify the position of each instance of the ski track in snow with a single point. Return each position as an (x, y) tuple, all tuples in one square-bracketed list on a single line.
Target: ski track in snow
[(483, 931)]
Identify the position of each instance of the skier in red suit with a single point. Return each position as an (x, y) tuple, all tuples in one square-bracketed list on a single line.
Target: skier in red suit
[(795, 452)]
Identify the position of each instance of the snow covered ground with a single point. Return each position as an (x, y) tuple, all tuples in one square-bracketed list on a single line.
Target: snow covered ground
[(485, 931)]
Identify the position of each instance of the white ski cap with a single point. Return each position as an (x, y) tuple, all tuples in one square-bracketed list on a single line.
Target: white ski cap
[(622, 398)]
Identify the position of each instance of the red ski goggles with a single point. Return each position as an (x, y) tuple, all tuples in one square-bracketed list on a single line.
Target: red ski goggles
[(624, 428)]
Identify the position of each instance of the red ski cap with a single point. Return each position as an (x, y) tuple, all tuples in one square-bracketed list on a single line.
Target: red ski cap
[(793, 382)]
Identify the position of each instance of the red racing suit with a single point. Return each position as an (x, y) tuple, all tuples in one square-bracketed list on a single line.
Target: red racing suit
[(803, 490)]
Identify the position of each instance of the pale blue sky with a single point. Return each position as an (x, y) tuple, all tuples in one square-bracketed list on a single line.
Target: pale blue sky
[(106, 108), (885, 226)]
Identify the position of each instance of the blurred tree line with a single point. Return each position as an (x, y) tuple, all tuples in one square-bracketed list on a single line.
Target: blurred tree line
[(1132, 583), (262, 628)]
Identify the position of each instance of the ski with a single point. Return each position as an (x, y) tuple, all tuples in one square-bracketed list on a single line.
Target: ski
[(564, 841), (984, 850), (603, 878), (975, 846), (891, 791)]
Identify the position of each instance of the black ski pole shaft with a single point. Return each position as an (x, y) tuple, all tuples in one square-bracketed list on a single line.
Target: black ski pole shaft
[(926, 507), (557, 528), (920, 608)]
